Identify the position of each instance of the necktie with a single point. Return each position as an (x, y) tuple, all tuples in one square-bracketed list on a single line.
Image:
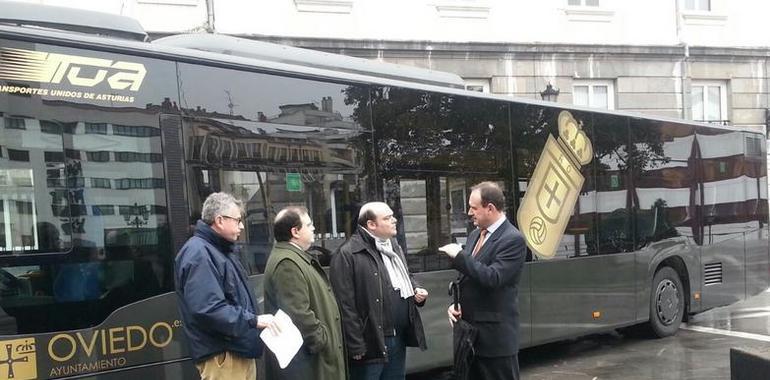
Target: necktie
[(480, 242)]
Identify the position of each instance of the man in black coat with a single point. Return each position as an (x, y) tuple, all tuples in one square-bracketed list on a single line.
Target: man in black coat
[(490, 267), (378, 297)]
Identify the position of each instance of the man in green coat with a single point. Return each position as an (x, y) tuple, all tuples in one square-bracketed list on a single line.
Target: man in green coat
[(295, 283)]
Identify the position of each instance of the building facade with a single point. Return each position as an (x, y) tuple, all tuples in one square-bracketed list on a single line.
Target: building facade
[(695, 59)]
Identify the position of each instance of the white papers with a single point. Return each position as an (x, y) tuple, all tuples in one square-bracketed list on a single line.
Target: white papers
[(451, 249), (285, 344)]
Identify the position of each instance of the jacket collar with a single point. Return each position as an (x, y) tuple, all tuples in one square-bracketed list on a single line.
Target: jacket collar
[(363, 241), (307, 256), (492, 237), (205, 232)]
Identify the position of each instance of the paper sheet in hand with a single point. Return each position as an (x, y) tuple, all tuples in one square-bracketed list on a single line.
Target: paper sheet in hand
[(286, 344), (451, 249)]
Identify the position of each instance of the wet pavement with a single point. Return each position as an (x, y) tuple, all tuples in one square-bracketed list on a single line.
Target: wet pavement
[(700, 350)]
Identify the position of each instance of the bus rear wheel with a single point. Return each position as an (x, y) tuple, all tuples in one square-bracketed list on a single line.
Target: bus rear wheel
[(666, 302)]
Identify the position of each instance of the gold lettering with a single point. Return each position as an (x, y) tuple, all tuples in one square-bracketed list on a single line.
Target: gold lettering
[(88, 348), (53, 68), (73, 347), (88, 82), (104, 343), (141, 331), (114, 339), (63, 62), (56, 67), (168, 330), (63, 347), (123, 79)]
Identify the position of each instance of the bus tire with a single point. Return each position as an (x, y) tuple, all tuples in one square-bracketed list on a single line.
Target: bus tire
[(666, 302)]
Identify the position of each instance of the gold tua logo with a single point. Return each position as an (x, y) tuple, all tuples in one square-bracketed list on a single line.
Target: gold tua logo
[(35, 66), (18, 359), (554, 187)]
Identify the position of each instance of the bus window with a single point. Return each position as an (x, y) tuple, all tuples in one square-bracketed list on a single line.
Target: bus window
[(274, 142), (456, 200), (113, 240), (82, 189), (332, 201), (582, 221), (729, 186), (431, 212), (32, 221), (613, 163), (532, 126), (665, 188), (431, 148), (417, 205)]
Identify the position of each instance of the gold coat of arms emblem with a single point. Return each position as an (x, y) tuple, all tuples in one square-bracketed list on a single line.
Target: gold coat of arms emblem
[(554, 187)]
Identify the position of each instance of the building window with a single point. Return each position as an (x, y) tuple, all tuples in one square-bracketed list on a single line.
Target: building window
[(709, 102), (170, 2), (134, 131), (703, 12), (594, 94), (697, 5), (78, 210), (103, 209), (73, 182), (472, 9), (55, 178), (18, 155), (98, 156), (137, 157), (583, 3), (158, 210), (72, 154), (15, 123), (24, 207), (754, 146), (150, 209), (139, 183), (50, 127), (100, 183), (55, 128), (54, 156), (480, 85), (324, 6), (96, 128)]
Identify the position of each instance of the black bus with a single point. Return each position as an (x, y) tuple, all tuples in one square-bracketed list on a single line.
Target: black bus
[(109, 144)]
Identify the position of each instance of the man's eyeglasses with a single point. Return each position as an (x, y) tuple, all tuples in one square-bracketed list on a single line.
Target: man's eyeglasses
[(237, 220)]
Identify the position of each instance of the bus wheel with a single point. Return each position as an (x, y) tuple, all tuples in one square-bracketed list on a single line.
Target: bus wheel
[(666, 302)]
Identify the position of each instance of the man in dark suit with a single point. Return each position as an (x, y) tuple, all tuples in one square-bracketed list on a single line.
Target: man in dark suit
[(490, 268)]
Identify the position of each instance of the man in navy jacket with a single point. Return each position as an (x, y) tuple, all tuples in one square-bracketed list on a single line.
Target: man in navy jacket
[(490, 268), (215, 300)]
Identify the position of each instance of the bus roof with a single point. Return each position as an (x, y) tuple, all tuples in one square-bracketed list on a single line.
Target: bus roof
[(71, 19), (241, 47)]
